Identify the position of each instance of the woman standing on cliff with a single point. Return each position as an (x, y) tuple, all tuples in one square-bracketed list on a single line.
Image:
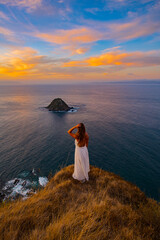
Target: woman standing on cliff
[(81, 160)]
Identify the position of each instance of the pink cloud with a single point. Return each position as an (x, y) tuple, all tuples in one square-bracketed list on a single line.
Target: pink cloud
[(30, 5), (8, 34), (133, 29), (4, 16)]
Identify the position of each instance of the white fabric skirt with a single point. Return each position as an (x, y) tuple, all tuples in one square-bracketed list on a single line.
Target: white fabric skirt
[(81, 163)]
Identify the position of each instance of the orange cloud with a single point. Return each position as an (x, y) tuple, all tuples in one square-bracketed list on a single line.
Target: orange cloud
[(75, 50), (81, 50), (138, 59), (17, 62), (74, 64), (106, 59), (27, 63), (74, 36), (72, 39)]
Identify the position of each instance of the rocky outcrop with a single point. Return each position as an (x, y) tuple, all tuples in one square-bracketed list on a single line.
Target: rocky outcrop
[(58, 105)]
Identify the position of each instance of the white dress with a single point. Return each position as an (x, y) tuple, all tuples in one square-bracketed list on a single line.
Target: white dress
[(81, 163)]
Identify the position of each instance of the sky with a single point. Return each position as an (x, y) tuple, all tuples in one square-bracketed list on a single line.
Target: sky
[(72, 41)]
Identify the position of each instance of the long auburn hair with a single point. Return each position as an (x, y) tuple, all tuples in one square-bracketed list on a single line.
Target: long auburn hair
[(81, 133)]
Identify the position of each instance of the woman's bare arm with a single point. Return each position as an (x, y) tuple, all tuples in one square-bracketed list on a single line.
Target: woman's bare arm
[(70, 131)]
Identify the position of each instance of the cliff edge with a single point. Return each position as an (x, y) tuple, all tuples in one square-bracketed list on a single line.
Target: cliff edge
[(106, 207)]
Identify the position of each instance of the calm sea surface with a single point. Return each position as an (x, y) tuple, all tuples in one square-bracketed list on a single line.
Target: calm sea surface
[(123, 122)]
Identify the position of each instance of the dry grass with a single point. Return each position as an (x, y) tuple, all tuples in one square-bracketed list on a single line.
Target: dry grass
[(107, 207)]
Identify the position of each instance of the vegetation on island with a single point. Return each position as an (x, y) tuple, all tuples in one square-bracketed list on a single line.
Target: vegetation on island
[(106, 207)]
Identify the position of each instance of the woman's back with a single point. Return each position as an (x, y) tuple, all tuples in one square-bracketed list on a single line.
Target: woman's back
[(84, 141)]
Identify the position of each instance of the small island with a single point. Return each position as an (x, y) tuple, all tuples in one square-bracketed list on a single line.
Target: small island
[(58, 105)]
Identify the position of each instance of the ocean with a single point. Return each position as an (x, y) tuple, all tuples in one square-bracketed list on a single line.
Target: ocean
[(122, 120)]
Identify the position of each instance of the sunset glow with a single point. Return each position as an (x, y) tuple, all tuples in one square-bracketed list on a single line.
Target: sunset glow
[(70, 41)]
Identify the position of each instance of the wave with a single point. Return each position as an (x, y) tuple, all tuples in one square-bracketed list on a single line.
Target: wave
[(23, 186)]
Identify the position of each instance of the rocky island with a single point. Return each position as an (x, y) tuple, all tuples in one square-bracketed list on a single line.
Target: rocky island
[(106, 207), (58, 105)]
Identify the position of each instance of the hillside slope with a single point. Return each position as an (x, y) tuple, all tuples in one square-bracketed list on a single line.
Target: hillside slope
[(107, 207)]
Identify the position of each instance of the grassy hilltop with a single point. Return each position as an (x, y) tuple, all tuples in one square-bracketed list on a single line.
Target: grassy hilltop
[(107, 207)]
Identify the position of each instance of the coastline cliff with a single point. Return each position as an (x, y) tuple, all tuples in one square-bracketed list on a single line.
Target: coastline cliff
[(106, 207)]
